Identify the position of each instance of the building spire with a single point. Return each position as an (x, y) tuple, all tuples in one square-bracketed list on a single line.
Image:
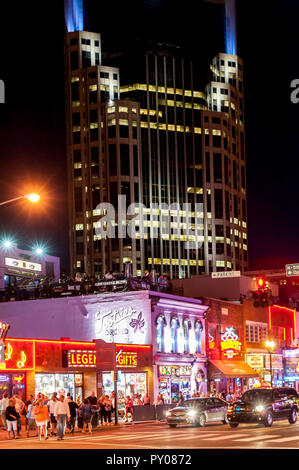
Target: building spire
[(74, 15), (230, 27)]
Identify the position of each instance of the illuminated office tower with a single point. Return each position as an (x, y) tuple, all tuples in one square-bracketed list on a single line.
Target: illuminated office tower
[(148, 125), (99, 130)]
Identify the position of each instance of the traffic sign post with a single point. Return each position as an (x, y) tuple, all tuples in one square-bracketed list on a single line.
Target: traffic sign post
[(292, 269)]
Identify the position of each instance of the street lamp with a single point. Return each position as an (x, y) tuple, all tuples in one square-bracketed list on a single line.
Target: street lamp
[(270, 346), (32, 197)]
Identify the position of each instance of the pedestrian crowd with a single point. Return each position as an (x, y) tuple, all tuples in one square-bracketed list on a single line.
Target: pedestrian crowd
[(46, 417)]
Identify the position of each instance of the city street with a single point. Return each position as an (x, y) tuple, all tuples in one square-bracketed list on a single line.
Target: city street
[(281, 435)]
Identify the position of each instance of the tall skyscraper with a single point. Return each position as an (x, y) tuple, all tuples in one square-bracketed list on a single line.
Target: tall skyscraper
[(144, 125)]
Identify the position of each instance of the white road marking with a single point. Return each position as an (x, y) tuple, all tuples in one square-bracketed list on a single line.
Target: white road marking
[(220, 438), (285, 439), (257, 438)]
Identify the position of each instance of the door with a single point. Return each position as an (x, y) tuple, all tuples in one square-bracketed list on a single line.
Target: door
[(211, 409), (279, 404), (220, 409)]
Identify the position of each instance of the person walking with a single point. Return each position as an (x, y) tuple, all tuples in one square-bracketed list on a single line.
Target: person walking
[(102, 409), (53, 421), (62, 414), (41, 415), (86, 415), (11, 416), (108, 410), (129, 408), (73, 411), (80, 419), (3, 406), (31, 423), (27, 403), (20, 406)]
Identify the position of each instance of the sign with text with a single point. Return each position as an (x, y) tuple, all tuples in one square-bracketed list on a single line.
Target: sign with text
[(126, 358), (230, 343), (20, 263), (77, 358), (256, 361), (123, 322), (174, 371), (292, 269), (225, 274)]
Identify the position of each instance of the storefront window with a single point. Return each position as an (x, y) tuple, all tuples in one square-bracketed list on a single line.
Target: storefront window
[(161, 322), (12, 384), (198, 333), (129, 383), (174, 334), (187, 326), (60, 383)]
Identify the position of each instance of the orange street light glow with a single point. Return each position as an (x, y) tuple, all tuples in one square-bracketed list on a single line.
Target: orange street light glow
[(33, 197)]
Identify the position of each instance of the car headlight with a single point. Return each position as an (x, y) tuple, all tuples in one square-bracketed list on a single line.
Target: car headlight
[(167, 413), (191, 413), (259, 408)]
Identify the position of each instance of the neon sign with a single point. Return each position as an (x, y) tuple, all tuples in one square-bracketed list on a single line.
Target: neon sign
[(78, 358), (230, 344), (126, 359)]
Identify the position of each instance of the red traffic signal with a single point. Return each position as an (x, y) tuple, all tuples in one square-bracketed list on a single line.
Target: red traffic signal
[(260, 282)]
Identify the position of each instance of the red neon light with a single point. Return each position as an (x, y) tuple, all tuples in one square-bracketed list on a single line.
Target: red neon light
[(133, 346), (284, 308), (269, 318)]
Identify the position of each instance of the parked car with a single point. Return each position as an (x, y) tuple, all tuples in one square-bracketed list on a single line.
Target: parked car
[(264, 405), (198, 411)]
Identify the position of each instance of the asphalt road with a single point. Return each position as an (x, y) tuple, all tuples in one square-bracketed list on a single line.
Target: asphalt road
[(281, 435)]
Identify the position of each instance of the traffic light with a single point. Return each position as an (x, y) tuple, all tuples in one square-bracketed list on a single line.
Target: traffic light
[(260, 282)]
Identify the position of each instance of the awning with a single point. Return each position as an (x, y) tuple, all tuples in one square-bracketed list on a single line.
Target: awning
[(230, 369)]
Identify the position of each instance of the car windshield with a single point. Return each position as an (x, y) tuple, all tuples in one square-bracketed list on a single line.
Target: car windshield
[(254, 395), (192, 403)]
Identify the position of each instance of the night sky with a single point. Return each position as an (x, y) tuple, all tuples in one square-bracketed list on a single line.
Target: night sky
[(32, 123)]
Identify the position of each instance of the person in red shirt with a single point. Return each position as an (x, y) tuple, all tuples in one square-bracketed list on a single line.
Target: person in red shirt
[(129, 407)]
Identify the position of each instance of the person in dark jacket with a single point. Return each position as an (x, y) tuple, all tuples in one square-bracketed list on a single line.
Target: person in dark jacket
[(12, 417), (73, 410), (86, 415)]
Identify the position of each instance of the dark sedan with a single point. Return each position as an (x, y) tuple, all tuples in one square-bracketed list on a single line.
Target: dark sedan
[(198, 411)]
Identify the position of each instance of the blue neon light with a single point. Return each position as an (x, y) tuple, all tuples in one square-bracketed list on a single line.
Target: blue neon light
[(230, 27), (74, 15)]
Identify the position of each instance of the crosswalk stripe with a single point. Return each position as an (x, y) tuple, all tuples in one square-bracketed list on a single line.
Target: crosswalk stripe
[(195, 436), (221, 437), (136, 436), (257, 438), (285, 439)]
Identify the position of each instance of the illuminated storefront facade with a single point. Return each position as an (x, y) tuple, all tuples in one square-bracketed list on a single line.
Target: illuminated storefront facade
[(33, 366), (179, 346), (162, 340), (227, 370), (291, 367)]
